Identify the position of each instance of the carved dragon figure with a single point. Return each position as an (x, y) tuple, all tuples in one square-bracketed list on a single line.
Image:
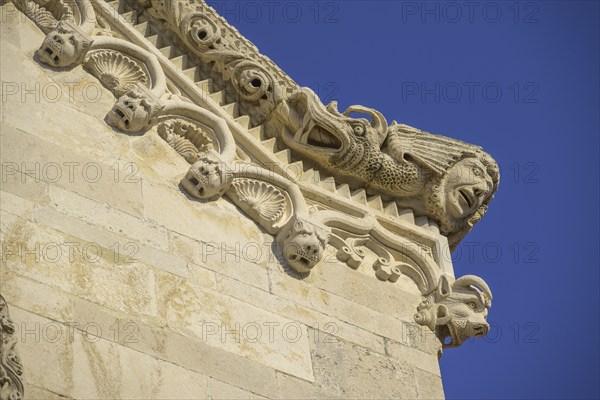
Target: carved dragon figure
[(439, 177), (457, 310)]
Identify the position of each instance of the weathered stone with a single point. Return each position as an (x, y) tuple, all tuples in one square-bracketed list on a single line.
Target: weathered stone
[(234, 326), (355, 372)]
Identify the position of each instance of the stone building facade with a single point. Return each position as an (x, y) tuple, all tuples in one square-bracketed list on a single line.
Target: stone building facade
[(180, 219)]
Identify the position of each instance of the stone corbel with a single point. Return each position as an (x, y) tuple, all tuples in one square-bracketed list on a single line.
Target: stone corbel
[(11, 370)]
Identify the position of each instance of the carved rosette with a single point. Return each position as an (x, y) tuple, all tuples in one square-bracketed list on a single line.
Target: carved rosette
[(118, 72), (11, 370)]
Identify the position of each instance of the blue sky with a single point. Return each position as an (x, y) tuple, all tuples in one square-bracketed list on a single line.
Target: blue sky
[(521, 80)]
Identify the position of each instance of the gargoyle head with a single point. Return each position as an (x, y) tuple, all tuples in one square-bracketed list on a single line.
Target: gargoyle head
[(135, 110), (322, 132), (457, 310), (208, 178), (303, 243), (64, 46)]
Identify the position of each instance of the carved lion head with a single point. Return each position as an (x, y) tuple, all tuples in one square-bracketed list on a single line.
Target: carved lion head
[(303, 243)]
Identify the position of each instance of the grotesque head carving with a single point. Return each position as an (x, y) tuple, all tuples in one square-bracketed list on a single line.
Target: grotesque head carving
[(457, 311), (460, 197), (135, 110), (208, 178), (303, 243), (64, 46)]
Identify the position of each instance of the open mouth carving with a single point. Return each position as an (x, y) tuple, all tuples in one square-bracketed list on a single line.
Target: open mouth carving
[(310, 132), (305, 261), (466, 196), (320, 137)]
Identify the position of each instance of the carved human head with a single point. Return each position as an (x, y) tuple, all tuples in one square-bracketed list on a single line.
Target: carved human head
[(457, 310), (64, 46), (303, 243), (208, 178), (460, 197), (135, 110)]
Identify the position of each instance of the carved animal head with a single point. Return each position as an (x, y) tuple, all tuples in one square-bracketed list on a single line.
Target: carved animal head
[(64, 46), (457, 310), (323, 133), (208, 178), (303, 243), (135, 110)]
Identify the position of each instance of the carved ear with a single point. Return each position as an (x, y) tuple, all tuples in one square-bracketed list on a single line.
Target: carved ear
[(333, 108), (444, 288), (443, 315)]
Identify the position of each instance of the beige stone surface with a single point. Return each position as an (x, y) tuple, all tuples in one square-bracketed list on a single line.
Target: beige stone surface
[(168, 297)]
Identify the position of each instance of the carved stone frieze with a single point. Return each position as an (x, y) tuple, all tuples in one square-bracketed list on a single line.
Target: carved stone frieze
[(11, 370), (445, 180)]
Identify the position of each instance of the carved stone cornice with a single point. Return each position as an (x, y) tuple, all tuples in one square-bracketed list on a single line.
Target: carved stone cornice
[(11, 370), (208, 92)]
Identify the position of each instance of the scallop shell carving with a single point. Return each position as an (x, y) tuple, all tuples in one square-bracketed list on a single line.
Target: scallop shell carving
[(187, 139), (264, 199), (116, 71)]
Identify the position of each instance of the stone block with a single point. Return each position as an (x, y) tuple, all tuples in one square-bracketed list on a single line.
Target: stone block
[(226, 323), (355, 372), (44, 160)]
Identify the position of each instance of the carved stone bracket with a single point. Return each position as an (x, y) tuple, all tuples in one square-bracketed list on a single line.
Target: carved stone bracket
[(11, 370)]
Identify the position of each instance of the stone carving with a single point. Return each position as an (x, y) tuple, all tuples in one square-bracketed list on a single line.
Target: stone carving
[(46, 14), (11, 370), (258, 83), (441, 178), (270, 200), (362, 243), (260, 198), (208, 178), (303, 243), (64, 46), (136, 110), (116, 71), (189, 140), (456, 310)]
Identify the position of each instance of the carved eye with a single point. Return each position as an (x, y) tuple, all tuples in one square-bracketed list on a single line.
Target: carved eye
[(72, 40), (477, 172), (471, 305), (359, 130)]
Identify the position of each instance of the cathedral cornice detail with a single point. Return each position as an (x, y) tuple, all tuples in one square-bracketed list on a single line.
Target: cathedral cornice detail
[(391, 199)]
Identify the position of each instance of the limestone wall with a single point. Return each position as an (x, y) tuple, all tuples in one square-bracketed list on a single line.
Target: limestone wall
[(120, 286)]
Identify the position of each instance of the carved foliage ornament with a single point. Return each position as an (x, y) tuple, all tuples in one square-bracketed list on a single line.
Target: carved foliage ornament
[(11, 370)]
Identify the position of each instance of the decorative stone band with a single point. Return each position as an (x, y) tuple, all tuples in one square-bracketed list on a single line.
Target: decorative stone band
[(11, 370)]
